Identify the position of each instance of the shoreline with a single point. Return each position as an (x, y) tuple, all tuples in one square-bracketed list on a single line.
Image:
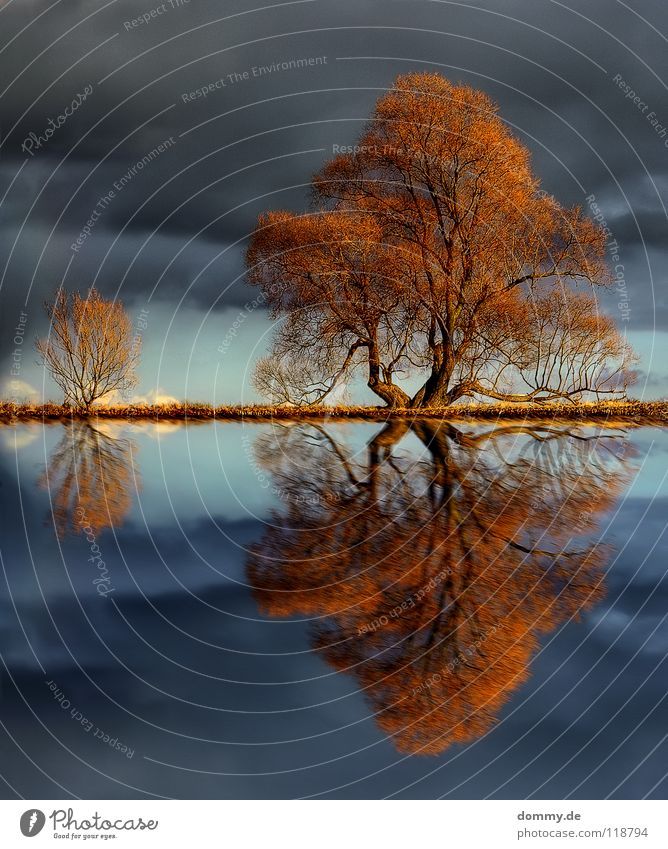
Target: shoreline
[(627, 412)]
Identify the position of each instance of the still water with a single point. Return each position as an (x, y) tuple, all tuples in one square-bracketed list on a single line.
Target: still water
[(333, 610)]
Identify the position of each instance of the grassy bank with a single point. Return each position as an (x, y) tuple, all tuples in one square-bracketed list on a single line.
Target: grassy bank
[(630, 412)]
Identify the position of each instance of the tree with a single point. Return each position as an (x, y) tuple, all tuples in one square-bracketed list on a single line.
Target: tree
[(556, 346), (426, 244), (90, 350), (432, 579), (90, 477), (333, 281), (286, 378)]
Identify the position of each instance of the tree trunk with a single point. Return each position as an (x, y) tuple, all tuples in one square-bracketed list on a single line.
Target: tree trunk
[(438, 391), (382, 444), (434, 393), (380, 448), (391, 394)]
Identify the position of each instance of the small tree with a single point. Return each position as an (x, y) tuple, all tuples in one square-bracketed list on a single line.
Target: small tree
[(90, 350)]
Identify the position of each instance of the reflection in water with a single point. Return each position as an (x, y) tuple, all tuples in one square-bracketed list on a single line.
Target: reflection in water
[(432, 577), (90, 477)]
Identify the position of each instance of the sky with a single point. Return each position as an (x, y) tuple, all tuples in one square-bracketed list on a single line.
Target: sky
[(140, 141)]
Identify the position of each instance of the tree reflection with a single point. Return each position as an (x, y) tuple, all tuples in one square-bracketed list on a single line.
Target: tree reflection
[(432, 574), (90, 477)]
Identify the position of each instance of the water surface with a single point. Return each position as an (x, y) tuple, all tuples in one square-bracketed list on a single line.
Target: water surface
[(333, 609)]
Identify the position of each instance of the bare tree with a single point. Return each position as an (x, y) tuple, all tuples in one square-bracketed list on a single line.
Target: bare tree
[(333, 280), (555, 346), (295, 379), (431, 576), (432, 248), (90, 350), (90, 477)]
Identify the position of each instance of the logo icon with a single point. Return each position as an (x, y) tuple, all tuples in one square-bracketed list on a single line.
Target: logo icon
[(32, 822)]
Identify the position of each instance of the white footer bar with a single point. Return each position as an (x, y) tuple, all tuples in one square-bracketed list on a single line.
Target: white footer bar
[(335, 824)]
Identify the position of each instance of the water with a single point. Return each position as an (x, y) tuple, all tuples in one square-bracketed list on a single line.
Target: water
[(342, 610)]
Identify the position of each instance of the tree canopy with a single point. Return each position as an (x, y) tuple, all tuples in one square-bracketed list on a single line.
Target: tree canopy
[(91, 349), (90, 477), (432, 580), (432, 250)]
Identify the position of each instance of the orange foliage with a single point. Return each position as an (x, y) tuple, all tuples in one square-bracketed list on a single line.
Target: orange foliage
[(434, 579), (90, 477), (91, 350), (424, 245)]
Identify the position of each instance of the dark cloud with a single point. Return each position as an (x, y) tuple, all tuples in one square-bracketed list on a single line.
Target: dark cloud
[(178, 225)]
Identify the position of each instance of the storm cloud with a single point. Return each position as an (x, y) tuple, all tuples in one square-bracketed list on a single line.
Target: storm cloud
[(192, 118)]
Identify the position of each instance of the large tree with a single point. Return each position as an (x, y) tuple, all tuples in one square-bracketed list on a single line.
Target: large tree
[(432, 248), (431, 576), (91, 349)]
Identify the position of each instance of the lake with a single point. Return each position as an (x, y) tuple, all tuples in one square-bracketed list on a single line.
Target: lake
[(352, 610)]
